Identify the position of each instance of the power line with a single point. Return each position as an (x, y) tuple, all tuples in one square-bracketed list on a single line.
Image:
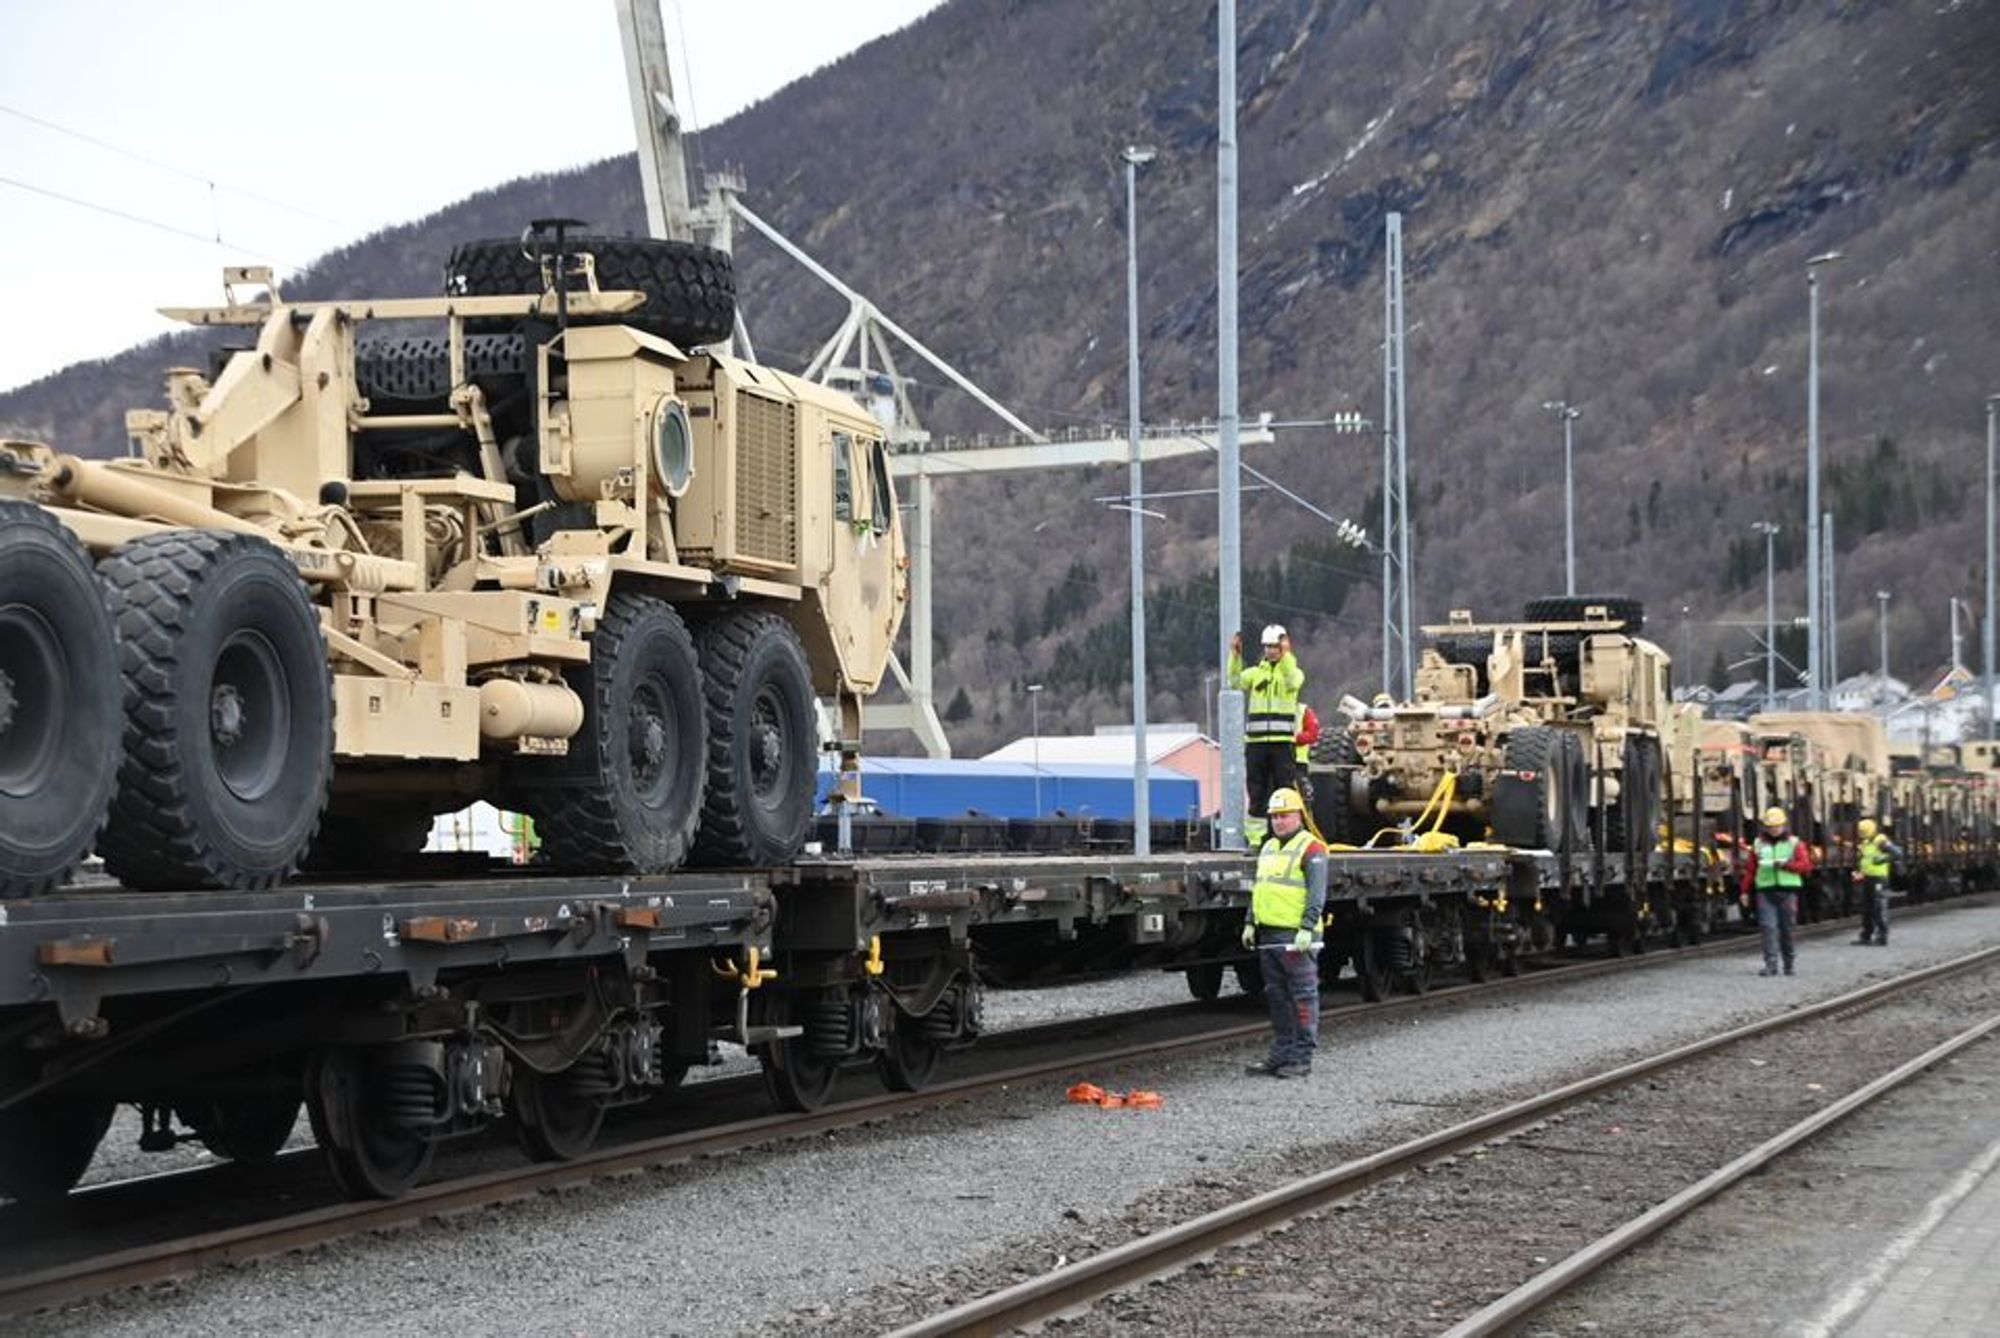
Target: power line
[(201, 177), (143, 221)]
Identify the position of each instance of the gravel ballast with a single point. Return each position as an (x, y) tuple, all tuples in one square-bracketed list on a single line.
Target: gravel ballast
[(854, 1232)]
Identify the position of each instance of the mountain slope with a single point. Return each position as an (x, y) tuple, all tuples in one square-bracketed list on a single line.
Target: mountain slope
[(1611, 203)]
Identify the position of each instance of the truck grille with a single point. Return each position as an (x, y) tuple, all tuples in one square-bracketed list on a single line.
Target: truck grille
[(767, 474)]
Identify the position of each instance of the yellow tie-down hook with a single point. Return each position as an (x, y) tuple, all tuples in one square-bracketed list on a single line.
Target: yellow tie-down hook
[(750, 975)]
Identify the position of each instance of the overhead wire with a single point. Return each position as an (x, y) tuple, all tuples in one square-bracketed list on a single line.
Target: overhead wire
[(143, 221), (188, 173)]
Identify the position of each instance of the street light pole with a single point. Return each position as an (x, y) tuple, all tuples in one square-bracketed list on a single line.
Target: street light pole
[(1035, 739), (1136, 156), (1229, 543), (1770, 533), (1830, 642), (1569, 413), (1814, 664), (1882, 630), (1986, 627)]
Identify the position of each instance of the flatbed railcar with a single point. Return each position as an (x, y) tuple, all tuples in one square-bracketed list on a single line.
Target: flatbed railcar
[(403, 1013)]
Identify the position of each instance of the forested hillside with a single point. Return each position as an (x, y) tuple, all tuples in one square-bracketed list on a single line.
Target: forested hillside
[(1611, 203)]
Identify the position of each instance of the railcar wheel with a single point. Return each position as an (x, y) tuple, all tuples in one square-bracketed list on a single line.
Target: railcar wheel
[(1250, 978), (1371, 966), (1482, 959), (553, 1120), (354, 1102), (1204, 982), (763, 753), (796, 1077), (46, 1143), (250, 1129), (627, 797), (228, 702), (59, 721), (909, 1058)]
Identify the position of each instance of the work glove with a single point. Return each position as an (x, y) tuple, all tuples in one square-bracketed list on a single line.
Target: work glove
[(1249, 937), (1303, 941)]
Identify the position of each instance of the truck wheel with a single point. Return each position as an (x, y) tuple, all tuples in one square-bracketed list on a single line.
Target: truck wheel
[(1633, 822), (1624, 610), (690, 289), (1531, 795), (228, 713), (763, 751), (59, 724), (627, 798), (1336, 762)]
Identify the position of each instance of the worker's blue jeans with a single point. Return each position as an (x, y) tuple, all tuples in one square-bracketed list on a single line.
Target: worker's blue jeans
[(1776, 910), (1875, 908), (1291, 990)]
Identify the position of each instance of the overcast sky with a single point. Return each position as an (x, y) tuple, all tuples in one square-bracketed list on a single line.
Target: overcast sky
[(315, 125)]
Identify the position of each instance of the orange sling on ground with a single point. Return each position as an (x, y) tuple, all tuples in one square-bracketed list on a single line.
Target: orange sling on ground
[(1090, 1094)]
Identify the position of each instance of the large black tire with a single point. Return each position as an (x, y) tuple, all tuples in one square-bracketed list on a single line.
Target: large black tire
[(419, 368), (1633, 821), (628, 796), (59, 722), (1625, 611), (690, 290), (228, 703), (763, 753), (1334, 762), (1535, 796)]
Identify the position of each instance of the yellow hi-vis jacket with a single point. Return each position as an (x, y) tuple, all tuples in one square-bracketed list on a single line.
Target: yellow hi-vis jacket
[(1772, 856), (1272, 688), (1875, 853), (1282, 896)]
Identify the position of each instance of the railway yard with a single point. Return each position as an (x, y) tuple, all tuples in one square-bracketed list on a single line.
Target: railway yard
[(992, 1188), (454, 877)]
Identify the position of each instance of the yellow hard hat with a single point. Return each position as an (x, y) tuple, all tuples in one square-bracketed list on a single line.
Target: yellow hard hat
[(1284, 800), (1775, 817), (1867, 828)]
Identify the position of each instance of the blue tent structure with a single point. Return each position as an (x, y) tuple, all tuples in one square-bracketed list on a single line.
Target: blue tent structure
[(924, 787)]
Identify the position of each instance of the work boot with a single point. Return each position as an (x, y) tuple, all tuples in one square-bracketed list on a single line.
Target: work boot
[(1292, 1071), (1882, 942), (1788, 968), (1863, 941), (1263, 1068)]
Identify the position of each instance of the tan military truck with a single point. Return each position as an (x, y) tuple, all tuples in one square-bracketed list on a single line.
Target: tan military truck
[(524, 542), (1527, 732)]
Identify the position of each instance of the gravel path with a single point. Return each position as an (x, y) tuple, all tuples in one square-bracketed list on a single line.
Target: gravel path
[(848, 1233), (1422, 1251)]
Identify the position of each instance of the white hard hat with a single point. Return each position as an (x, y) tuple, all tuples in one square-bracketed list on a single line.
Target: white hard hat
[(1273, 633)]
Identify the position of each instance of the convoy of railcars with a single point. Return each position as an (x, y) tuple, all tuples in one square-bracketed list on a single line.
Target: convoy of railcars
[(400, 1014), (555, 559)]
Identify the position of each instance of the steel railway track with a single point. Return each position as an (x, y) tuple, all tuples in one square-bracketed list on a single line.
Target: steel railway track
[(1078, 1284), (155, 1262)]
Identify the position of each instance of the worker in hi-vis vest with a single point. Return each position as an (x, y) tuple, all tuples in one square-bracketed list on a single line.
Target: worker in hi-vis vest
[(1775, 871), (1877, 856), (1271, 706), (1286, 903)]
